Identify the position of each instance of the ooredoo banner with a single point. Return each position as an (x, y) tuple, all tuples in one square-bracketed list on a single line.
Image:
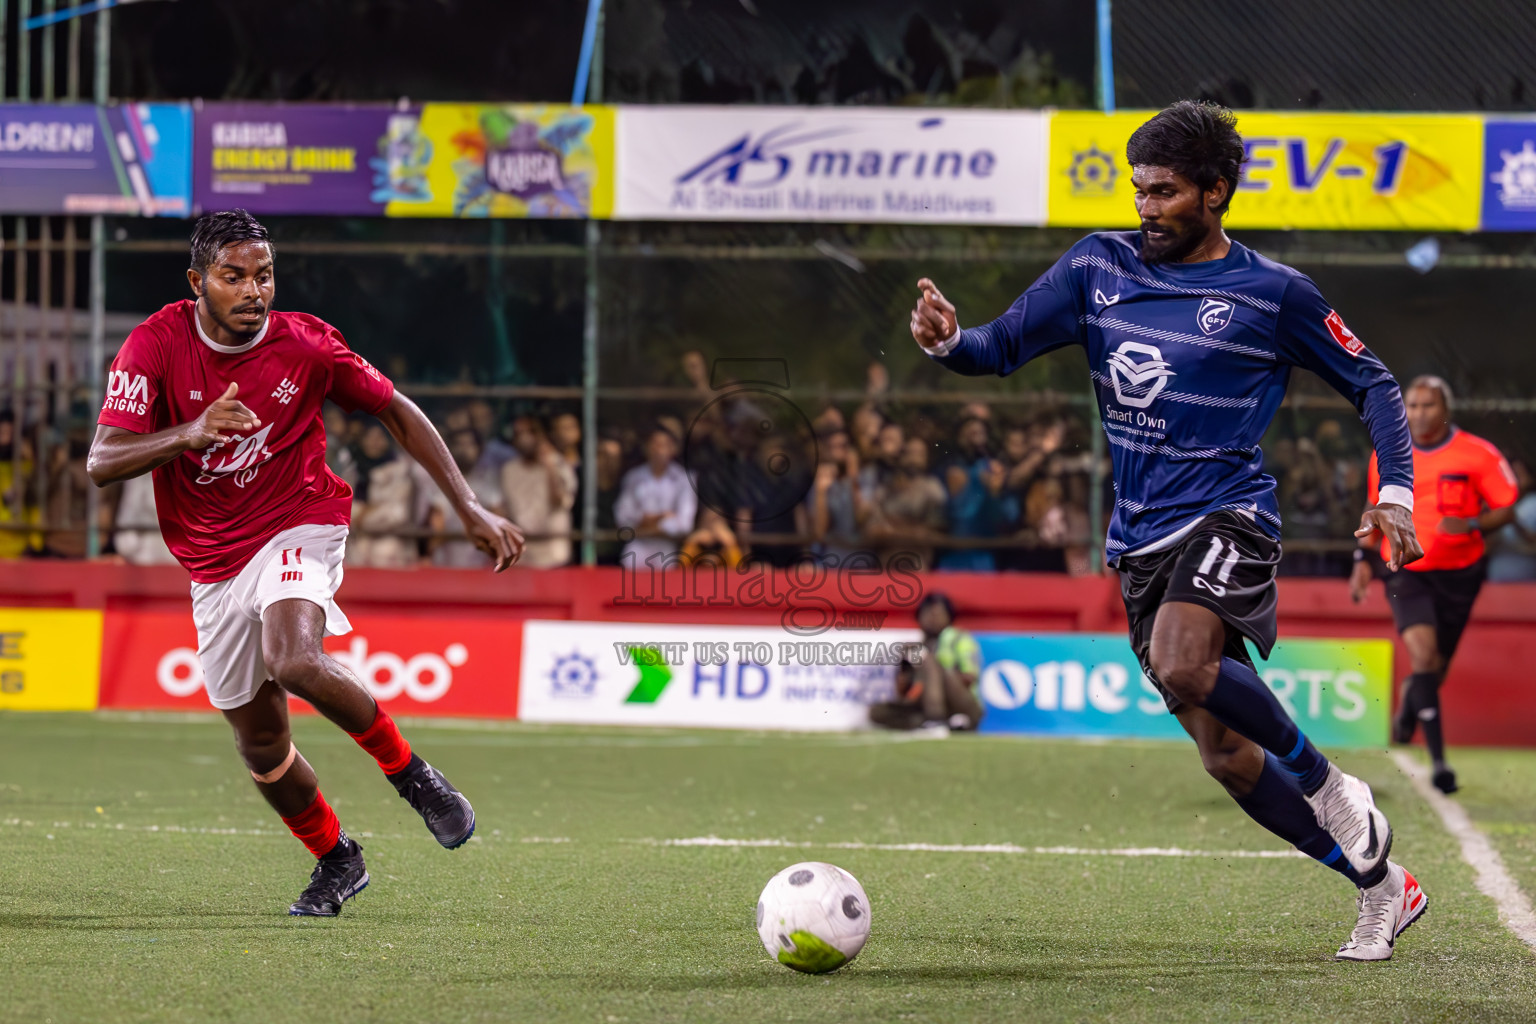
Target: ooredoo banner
[(1319, 171), (849, 164), (740, 677), (133, 158), (413, 665), (1086, 684)]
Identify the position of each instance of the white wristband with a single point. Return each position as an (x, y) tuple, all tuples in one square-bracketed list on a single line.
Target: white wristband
[(1396, 494), (946, 346)]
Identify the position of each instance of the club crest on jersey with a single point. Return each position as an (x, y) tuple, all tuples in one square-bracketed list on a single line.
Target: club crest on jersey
[(1139, 373), (1214, 314), (239, 465), (1342, 334)]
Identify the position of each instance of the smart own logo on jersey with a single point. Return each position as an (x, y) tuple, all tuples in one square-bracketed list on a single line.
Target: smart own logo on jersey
[(1139, 373)]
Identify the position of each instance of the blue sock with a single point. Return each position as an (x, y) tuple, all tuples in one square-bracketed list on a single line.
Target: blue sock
[(1242, 702), (1277, 804)]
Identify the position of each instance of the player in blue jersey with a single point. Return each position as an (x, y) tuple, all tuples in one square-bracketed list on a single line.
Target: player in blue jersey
[(1190, 339)]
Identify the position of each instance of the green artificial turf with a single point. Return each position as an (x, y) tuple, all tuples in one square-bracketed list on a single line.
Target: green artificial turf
[(144, 880)]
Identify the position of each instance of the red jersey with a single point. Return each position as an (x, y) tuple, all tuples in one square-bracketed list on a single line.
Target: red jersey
[(218, 506), (1457, 477)]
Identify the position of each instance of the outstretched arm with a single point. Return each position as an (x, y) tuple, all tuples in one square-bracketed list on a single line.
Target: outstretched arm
[(415, 433), (1044, 318), (1310, 334)]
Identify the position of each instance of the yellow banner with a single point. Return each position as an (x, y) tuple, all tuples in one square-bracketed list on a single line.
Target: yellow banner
[(49, 660), (512, 160), (1341, 171)]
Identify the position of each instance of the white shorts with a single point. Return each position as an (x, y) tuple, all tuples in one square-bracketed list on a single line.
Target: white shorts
[(305, 563)]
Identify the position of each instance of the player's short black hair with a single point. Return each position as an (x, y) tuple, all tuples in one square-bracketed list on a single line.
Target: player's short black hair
[(937, 597), (217, 229), (1198, 139)]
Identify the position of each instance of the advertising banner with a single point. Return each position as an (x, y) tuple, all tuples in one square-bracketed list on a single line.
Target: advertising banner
[(1509, 176), (1320, 171), (413, 665), (273, 158), (848, 164), (49, 659), (134, 158), (507, 160), (1086, 684), (740, 677)]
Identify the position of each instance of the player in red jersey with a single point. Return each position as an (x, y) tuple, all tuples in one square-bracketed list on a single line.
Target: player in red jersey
[(221, 398), (1462, 489)]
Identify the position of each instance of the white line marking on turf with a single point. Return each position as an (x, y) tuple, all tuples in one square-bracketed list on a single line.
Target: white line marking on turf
[(1493, 880), (1007, 848)]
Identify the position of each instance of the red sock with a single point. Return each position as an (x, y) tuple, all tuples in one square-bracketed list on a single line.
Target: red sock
[(316, 826), (383, 740)]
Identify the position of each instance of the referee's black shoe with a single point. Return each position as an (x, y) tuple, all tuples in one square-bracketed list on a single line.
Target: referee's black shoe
[(1445, 780), (338, 876), (448, 815)]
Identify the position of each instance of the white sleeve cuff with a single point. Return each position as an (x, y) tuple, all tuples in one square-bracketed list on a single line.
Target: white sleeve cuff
[(946, 346), (1396, 494)]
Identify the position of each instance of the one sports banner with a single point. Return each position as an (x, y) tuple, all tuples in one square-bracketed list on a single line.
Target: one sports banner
[(1085, 684), (411, 664), (1509, 175), (336, 160), (507, 160), (133, 158), (1315, 171), (846, 164), (741, 677), (49, 659)]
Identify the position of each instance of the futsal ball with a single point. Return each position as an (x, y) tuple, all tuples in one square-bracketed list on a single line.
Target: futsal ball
[(813, 917)]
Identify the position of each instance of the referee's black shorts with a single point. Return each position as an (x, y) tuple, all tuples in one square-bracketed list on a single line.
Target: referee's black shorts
[(1441, 598), (1227, 564)]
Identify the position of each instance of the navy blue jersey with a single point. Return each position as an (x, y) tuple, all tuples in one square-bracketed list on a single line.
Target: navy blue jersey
[(1190, 362)]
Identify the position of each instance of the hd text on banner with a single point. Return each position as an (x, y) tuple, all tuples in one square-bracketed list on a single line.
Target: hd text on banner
[(1316, 171), (438, 160), (49, 659), (1088, 684), (132, 158), (847, 164), (735, 677)]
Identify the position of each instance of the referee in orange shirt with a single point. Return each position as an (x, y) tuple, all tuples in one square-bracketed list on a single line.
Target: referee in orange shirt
[(1462, 489)]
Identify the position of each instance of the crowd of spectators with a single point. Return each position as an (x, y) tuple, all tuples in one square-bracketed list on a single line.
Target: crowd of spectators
[(740, 476)]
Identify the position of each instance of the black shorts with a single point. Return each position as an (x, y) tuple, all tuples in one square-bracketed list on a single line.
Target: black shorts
[(1441, 598), (1227, 565)]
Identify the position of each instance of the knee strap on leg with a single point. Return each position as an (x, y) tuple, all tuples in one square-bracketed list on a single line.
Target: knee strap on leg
[(280, 770)]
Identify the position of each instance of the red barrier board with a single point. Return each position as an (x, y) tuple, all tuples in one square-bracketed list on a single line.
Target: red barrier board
[(413, 665)]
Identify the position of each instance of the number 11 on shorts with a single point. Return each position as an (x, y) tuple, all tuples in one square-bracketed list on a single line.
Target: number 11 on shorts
[(1224, 573)]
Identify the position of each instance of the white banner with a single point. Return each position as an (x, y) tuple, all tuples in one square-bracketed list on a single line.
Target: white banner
[(850, 164), (742, 677)]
